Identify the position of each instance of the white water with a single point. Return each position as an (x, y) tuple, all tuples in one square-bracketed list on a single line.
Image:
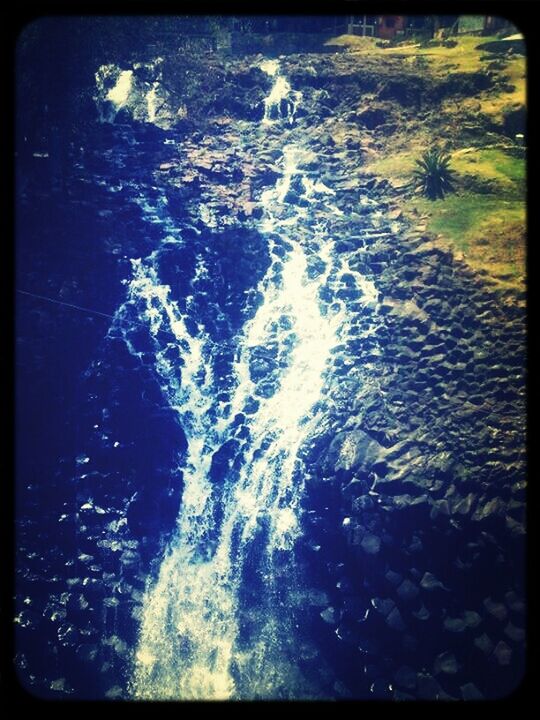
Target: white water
[(120, 92), (192, 635), (282, 102), (143, 99), (151, 101)]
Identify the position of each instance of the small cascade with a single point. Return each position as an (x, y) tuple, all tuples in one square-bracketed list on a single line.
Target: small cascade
[(282, 102), (137, 90), (152, 100)]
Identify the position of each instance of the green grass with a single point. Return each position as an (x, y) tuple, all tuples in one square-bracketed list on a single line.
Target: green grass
[(486, 164), (464, 57), (485, 220), (492, 164), (460, 215), (487, 230)]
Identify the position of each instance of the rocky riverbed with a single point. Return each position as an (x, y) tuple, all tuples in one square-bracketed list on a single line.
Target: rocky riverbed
[(407, 578)]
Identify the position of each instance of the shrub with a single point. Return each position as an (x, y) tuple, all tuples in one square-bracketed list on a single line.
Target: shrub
[(433, 178)]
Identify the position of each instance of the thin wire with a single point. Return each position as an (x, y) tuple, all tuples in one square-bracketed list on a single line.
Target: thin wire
[(88, 310), (62, 302)]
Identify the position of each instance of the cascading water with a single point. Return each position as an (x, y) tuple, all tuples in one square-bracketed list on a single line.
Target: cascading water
[(113, 97), (217, 620), (119, 89), (281, 103)]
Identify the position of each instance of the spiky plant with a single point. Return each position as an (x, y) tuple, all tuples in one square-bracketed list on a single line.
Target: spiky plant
[(433, 177)]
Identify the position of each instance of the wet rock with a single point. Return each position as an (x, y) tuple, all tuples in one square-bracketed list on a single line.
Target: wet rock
[(394, 578), (405, 90), (408, 590), (363, 504), (358, 532), (430, 582), (483, 643), (67, 635), (399, 695), (488, 509), (515, 633), (394, 620), (405, 676), (359, 485), (330, 616), (87, 652), (355, 606), (316, 267), (404, 309), (503, 653), (425, 373), (348, 632), (310, 598), (422, 614), (469, 691), (260, 367), (496, 609), (445, 663), (341, 690), (454, 625), (114, 693), (344, 585), (350, 450), (383, 605), (428, 687), (61, 685), (471, 618), (514, 602), (380, 689), (439, 507), (370, 544), (515, 527), (372, 117), (463, 505)]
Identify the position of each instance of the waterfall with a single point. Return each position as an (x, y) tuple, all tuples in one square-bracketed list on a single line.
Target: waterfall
[(203, 634), (120, 92), (143, 97), (111, 98), (151, 101), (282, 102)]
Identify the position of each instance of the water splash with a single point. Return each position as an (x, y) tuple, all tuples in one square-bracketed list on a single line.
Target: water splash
[(152, 100), (270, 67), (120, 92)]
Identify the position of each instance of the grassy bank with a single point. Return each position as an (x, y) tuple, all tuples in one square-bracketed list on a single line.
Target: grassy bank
[(484, 221), (488, 232)]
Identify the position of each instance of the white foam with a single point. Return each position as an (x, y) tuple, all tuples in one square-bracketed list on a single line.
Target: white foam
[(120, 92), (151, 101), (270, 67)]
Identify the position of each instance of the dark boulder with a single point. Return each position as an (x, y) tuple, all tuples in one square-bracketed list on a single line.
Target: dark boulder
[(350, 450)]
